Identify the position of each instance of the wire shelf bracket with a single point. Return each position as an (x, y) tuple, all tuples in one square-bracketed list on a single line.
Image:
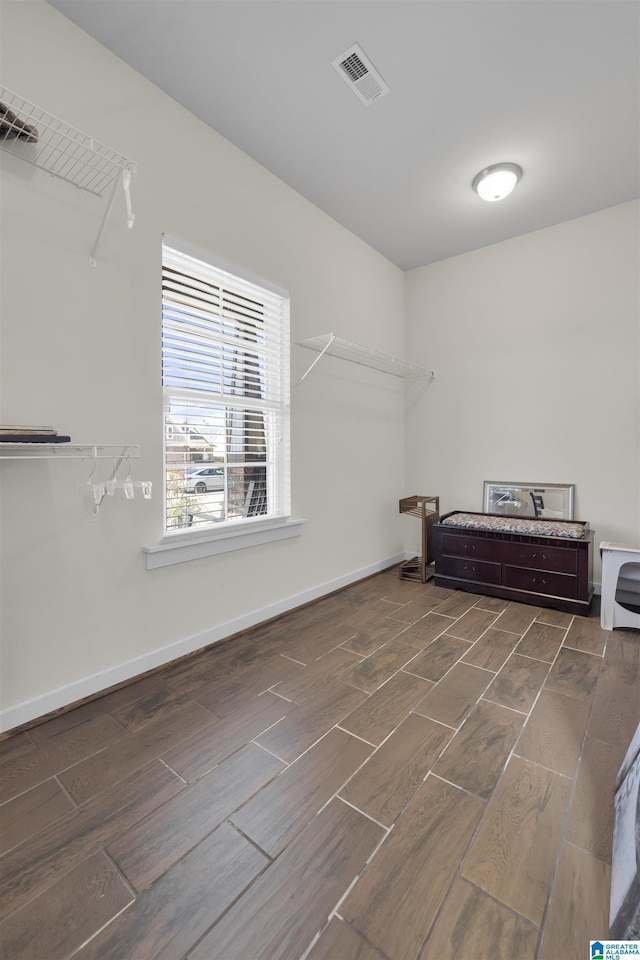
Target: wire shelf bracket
[(331, 345), (46, 142)]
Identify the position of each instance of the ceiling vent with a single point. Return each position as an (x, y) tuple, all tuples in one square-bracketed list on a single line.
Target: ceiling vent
[(357, 70)]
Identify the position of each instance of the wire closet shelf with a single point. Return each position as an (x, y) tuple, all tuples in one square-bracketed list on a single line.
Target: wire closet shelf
[(68, 451), (331, 345), (52, 145)]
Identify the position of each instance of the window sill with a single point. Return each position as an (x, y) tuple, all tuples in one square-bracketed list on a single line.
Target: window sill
[(189, 546)]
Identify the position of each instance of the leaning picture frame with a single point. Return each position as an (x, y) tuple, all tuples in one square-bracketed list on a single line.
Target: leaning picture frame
[(549, 501)]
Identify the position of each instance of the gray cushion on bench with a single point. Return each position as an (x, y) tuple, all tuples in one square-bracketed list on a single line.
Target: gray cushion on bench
[(539, 528)]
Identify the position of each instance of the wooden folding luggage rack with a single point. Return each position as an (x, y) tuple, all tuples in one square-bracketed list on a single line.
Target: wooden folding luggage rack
[(427, 510)]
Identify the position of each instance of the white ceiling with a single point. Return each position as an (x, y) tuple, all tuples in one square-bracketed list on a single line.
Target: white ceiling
[(552, 85)]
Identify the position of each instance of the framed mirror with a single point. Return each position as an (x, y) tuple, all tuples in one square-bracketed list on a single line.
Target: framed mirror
[(549, 501)]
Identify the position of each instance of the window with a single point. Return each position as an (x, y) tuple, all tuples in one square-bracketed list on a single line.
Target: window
[(225, 377)]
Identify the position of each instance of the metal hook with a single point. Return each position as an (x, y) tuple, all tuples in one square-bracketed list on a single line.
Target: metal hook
[(110, 484), (93, 469), (128, 485)]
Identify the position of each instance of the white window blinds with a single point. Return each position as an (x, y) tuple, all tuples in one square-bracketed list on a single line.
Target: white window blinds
[(225, 376)]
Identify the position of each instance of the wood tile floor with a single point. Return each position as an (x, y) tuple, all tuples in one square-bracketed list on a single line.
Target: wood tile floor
[(396, 771)]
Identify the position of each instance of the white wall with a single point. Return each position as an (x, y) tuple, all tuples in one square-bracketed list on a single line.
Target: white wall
[(536, 344), (81, 351)]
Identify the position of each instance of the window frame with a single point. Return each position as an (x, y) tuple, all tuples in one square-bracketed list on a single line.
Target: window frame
[(187, 542)]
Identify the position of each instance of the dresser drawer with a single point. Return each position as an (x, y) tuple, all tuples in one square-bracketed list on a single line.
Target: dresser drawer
[(563, 560), (464, 569), (560, 559), (474, 547), (541, 581)]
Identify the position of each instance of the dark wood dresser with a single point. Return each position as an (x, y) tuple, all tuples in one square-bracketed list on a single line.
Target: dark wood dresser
[(547, 571)]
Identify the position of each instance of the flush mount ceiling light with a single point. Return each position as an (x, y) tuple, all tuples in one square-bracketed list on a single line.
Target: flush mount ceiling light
[(497, 181)]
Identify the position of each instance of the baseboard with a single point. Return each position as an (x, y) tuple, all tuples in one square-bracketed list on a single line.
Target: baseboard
[(54, 700)]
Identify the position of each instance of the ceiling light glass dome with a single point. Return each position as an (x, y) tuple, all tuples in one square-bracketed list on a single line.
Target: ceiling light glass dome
[(497, 181)]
